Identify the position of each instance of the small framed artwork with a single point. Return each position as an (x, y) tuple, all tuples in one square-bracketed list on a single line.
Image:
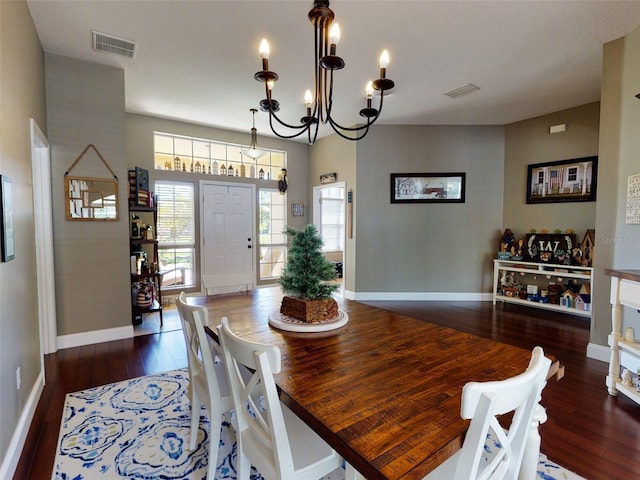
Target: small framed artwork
[(328, 178), (6, 219), (633, 199), (572, 180), (297, 209), (427, 187)]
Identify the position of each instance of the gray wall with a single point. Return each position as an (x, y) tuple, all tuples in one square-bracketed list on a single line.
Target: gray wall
[(85, 105), (139, 133), (22, 97), (530, 142), (428, 247), (328, 155), (617, 244)]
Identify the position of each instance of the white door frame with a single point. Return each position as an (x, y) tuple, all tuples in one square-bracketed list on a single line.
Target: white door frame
[(43, 219), (316, 214), (239, 279)]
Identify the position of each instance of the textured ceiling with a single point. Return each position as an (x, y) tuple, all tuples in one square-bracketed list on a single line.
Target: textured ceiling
[(195, 60)]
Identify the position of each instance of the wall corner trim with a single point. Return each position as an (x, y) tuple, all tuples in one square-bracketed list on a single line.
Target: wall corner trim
[(96, 336), (12, 456)]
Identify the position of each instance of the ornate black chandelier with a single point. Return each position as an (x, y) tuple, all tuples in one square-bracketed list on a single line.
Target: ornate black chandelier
[(319, 103)]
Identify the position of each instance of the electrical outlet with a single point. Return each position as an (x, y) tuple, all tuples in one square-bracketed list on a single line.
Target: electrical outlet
[(18, 378)]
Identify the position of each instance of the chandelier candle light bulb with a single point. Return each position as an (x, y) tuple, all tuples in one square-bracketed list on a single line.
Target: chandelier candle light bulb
[(384, 62), (334, 38), (369, 90), (264, 53), (308, 100)]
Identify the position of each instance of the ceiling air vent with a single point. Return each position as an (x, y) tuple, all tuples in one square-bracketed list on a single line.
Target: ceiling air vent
[(111, 44), (460, 91)]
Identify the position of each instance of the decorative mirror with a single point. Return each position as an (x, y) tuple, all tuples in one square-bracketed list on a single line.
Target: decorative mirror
[(91, 198)]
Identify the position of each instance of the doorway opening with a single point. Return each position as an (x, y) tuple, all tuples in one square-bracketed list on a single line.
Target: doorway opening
[(329, 214)]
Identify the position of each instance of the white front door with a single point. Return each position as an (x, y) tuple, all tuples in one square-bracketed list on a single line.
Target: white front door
[(227, 238)]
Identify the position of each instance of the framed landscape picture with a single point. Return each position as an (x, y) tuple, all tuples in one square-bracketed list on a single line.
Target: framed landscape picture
[(427, 187), (563, 181)]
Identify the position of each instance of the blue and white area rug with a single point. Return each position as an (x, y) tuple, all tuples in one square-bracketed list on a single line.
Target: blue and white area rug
[(139, 429)]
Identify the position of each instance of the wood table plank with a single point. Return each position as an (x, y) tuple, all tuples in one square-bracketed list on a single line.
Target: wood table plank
[(384, 390)]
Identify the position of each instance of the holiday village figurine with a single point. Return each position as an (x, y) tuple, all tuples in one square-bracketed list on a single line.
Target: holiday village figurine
[(507, 240), (283, 181)]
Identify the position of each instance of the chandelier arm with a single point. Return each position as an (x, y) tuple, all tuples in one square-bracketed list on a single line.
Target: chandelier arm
[(370, 120), (315, 134), (273, 114), (302, 129), (328, 96), (336, 126), (320, 46), (346, 137)]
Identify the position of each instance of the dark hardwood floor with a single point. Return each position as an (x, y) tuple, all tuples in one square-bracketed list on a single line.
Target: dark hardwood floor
[(588, 431)]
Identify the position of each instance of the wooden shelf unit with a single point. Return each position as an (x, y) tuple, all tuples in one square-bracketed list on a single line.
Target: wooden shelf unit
[(154, 277), (625, 350), (537, 269)]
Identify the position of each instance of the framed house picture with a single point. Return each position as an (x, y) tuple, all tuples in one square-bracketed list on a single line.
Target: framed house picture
[(572, 180), (427, 187)]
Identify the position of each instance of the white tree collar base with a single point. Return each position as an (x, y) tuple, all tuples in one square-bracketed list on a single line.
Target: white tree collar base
[(290, 324)]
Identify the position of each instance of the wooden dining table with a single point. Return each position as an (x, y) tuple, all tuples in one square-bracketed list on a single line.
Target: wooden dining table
[(384, 390)]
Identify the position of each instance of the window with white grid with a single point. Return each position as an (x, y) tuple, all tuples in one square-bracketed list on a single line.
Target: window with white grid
[(176, 233)]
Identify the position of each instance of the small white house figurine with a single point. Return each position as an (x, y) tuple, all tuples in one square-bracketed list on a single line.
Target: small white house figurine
[(568, 298), (629, 335), (626, 378)]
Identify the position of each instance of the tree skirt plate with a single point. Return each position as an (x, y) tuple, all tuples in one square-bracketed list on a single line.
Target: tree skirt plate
[(290, 324)]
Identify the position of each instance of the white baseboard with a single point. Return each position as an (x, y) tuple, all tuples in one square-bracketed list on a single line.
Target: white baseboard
[(424, 296), (12, 456), (598, 352), (96, 336)]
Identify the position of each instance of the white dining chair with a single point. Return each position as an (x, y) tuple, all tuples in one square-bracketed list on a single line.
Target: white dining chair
[(208, 383), (269, 435), (489, 451)]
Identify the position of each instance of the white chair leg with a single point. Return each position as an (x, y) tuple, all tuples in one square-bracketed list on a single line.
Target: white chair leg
[(529, 466), (195, 418), (215, 425), (244, 466), (351, 473)]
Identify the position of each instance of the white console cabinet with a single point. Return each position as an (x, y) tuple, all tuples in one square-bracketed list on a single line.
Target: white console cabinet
[(538, 276), (625, 350)]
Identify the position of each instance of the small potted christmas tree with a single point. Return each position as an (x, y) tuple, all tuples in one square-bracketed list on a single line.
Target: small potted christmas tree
[(305, 279)]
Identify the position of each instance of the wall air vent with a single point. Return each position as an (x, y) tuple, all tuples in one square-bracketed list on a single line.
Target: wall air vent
[(110, 44), (461, 91)]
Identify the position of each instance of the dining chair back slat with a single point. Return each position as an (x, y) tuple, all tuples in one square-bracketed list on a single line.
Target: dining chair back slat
[(208, 383), (489, 451), (270, 436)]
